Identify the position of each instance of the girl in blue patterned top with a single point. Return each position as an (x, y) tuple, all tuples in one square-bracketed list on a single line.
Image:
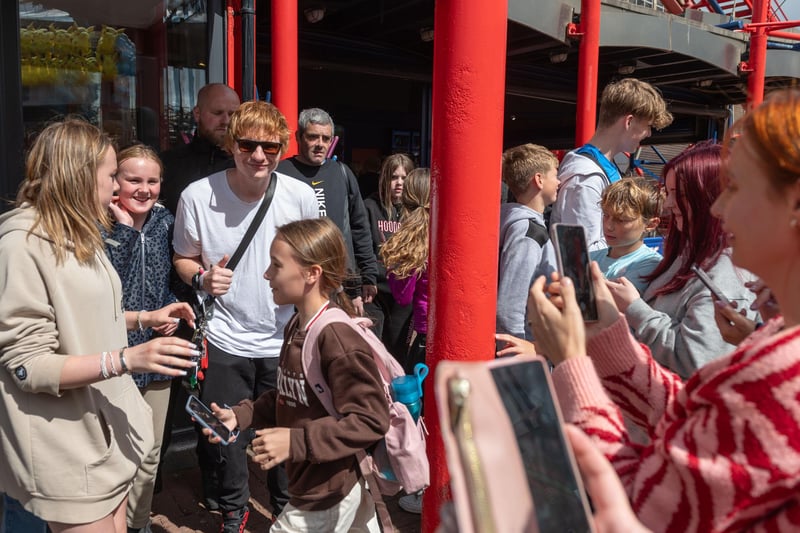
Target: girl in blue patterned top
[(139, 248)]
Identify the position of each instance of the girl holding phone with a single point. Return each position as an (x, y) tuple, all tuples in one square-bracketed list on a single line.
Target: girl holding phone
[(674, 316), (308, 262), (721, 452)]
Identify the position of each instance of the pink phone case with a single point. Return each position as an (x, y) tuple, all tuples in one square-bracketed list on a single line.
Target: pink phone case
[(501, 500)]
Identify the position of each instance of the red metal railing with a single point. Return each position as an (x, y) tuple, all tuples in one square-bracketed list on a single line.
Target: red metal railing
[(734, 8)]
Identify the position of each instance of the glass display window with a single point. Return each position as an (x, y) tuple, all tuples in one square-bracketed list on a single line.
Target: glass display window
[(131, 67)]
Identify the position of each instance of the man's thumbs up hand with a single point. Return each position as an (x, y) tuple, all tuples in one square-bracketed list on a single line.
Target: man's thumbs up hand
[(218, 279)]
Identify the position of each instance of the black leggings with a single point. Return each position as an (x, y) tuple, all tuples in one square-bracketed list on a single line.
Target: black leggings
[(229, 379)]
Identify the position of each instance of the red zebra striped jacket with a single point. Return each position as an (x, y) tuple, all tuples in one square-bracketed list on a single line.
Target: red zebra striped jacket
[(724, 447)]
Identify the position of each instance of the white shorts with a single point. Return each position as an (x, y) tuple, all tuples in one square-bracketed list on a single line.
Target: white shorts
[(356, 512)]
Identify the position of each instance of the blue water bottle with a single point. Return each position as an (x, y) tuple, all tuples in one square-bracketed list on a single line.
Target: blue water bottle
[(408, 389)]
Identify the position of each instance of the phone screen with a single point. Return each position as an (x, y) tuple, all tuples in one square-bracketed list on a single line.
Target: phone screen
[(572, 254), (206, 418), (557, 495)]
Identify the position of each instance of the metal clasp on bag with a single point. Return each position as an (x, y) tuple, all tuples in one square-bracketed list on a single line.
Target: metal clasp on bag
[(207, 309), (196, 374)]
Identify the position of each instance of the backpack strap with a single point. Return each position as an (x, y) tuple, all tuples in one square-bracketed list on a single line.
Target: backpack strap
[(311, 357), (372, 485), (313, 372), (609, 168), (537, 232)]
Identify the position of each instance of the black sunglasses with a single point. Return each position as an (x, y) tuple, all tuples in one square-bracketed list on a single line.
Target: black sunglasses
[(248, 146)]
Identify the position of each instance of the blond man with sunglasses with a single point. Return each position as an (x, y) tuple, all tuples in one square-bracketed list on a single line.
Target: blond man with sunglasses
[(246, 331)]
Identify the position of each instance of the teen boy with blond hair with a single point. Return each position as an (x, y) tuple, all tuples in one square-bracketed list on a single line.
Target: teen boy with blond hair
[(631, 208), (629, 109), (531, 172)]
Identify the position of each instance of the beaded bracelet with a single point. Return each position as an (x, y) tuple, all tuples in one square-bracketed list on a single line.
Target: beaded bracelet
[(122, 361)]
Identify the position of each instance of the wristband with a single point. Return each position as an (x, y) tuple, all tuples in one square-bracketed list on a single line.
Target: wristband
[(197, 280), (122, 363), (113, 368), (103, 369)]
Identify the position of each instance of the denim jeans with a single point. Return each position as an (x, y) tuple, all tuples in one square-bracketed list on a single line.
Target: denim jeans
[(16, 519)]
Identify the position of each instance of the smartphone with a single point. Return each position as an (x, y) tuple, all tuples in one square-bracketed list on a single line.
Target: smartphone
[(715, 291), (572, 255), (553, 478), (203, 415)]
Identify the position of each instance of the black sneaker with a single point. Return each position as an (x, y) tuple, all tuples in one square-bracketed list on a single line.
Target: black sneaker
[(234, 521)]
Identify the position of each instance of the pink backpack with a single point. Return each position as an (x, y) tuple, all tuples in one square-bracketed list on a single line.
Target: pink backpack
[(402, 451)]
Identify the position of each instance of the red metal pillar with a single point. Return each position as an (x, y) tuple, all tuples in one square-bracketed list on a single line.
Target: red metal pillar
[(588, 60), (468, 99), (233, 46), (757, 64), (284, 64)]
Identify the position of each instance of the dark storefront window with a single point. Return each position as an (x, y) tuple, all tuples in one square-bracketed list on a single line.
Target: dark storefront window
[(133, 67)]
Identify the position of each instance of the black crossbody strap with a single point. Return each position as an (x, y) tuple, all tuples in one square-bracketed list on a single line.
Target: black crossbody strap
[(206, 310), (251, 230)]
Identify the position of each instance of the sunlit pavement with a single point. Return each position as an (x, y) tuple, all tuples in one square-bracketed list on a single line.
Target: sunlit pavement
[(177, 507)]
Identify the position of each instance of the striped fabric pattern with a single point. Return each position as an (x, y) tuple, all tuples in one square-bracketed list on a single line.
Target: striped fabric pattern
[(724, 450)]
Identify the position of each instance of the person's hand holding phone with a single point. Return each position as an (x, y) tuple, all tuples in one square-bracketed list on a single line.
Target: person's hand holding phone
[(556, 319), (271, 447), (228, 419), (733, 325), (559, 333)]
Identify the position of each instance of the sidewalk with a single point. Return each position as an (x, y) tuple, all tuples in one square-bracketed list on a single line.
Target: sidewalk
[(177, 509)]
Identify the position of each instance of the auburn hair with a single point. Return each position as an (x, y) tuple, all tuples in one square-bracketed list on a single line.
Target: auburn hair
[(697, 184)]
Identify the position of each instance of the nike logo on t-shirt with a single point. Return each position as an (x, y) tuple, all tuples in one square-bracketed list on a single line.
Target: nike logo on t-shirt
[(315, 183)]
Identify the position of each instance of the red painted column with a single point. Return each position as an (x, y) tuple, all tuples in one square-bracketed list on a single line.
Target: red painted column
[(233, 46), (284, 64), (468, 97), (758, 55), (588, 60)]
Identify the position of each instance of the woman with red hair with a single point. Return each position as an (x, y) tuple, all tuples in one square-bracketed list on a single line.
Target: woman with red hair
[(675, 315), (722, 450)]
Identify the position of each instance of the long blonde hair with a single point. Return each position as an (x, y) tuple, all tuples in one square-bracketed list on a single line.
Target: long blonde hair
[(406, 252), (318, 241), (61, 184)]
